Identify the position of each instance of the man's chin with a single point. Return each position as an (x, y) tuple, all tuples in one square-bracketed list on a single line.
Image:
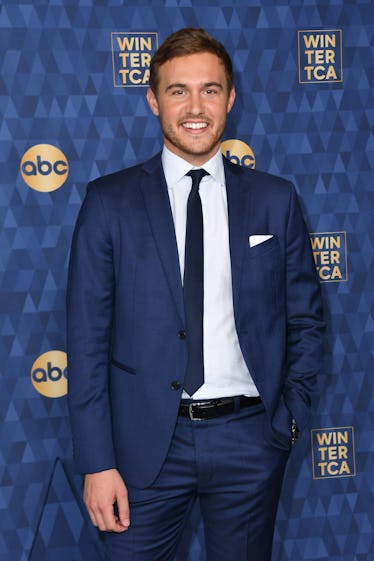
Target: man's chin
[(195, 149)]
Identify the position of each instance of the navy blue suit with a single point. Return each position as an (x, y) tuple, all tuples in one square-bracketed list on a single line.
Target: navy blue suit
[(125, 310)]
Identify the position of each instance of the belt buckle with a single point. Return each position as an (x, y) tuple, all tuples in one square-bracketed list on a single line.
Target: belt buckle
[(191, 413)]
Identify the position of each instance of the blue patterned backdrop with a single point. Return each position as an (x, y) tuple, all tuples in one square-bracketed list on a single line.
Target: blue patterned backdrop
[(72, 77)]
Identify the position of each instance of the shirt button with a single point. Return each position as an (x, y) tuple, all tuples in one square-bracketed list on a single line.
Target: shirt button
[(182, 334), (175, 385)]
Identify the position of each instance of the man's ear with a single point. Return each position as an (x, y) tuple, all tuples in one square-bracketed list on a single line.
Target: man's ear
[(231, 100), (152, 102)]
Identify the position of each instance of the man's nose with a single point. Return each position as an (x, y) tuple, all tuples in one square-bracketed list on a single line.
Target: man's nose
[(195, 103)]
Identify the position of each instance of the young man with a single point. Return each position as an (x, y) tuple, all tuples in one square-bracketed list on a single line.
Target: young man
[(194, 329)]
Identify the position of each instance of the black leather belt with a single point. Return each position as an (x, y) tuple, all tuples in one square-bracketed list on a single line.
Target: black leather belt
[(202, 410)]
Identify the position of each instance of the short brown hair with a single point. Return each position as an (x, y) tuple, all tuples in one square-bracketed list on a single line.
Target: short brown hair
[(189, 41)]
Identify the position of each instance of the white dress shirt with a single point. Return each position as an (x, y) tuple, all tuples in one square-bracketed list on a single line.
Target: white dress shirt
[(225, 372)]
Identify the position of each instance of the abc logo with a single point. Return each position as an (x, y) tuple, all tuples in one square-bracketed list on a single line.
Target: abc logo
[(238, 152), (49, 374), (44, 167)]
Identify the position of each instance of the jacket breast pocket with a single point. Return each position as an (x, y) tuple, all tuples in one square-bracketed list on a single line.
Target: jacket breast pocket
[(270, 245)]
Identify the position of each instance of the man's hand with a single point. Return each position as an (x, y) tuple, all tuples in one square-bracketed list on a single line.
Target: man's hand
[(101, 491)]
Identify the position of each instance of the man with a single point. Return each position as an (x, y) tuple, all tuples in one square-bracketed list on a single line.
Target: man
[(194, 329)]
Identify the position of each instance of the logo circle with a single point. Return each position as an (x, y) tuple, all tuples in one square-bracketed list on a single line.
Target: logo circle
[(238, 152), (49, 374), (44, 167)]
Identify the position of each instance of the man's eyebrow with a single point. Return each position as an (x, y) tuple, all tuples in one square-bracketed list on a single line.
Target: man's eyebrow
[(176, 85), (205, 85), (213, 84)]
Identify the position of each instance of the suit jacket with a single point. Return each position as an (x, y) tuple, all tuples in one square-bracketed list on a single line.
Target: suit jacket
[(126, 361)]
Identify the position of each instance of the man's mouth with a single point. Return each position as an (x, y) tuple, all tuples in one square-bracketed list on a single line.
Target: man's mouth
[(195, 125)]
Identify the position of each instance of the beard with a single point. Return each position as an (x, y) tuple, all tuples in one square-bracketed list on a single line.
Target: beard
[(199, 145)]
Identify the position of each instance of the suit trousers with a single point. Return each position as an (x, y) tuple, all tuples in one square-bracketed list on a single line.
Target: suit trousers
[(237, 475)]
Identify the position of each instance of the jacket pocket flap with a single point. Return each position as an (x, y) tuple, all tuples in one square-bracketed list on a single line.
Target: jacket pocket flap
[(122, 366)]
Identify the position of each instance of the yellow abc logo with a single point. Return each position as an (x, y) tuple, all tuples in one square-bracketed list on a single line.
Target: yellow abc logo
[(49, 374), (238, 152), (44, 167)]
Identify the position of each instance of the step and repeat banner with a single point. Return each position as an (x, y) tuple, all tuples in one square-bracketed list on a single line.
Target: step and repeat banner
[(72, 103)]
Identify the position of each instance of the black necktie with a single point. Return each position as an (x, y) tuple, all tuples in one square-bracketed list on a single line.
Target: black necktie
[(193, 285)]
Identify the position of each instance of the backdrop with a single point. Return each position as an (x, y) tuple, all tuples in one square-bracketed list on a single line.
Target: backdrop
[(72, 101)]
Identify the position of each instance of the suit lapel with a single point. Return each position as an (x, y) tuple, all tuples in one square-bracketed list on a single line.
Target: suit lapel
[(154, 188), (239, 208)]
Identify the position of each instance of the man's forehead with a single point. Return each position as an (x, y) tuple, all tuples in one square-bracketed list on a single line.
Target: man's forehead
[(203, 67), (202, 58)]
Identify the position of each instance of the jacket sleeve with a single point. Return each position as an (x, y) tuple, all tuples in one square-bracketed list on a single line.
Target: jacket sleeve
[(305, 325), (90, 297)]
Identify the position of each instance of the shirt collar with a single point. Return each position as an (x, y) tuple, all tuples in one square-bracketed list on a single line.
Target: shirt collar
[(175, 167)]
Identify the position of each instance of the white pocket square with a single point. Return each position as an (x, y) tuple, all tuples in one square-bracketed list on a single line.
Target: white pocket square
[(258, 238)]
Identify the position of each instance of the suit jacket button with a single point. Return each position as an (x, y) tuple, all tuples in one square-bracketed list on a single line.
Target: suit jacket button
[(182, 334), (175, 385)]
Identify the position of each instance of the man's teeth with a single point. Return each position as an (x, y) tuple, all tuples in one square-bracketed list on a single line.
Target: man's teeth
[(195, 125)]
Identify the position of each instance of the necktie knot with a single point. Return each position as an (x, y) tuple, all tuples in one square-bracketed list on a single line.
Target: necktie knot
[(196, 175)]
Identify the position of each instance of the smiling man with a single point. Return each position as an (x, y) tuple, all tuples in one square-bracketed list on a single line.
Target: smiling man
[(192, 98), (194, 329)]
